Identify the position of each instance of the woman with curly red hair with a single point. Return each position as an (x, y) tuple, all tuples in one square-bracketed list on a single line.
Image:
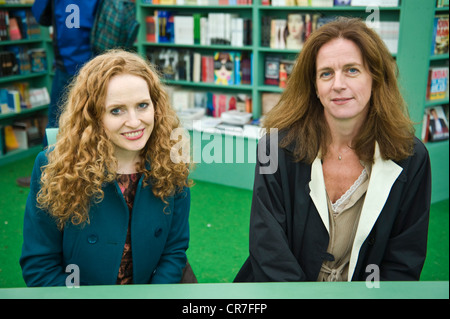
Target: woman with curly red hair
[(108, 197)]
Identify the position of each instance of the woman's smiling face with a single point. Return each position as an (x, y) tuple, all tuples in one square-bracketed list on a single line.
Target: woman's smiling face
[(129, 116)]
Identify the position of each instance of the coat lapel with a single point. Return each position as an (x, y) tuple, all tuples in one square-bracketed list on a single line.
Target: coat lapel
[(318, 192), (382, 178)]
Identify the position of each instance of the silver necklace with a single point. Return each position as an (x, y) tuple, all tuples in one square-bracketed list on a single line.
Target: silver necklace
[(339, 154)]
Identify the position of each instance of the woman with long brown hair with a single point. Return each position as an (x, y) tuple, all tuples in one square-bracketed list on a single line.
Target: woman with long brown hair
[(107, 197), (350, 196)]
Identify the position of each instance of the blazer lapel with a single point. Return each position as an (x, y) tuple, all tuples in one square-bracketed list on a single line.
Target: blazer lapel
[(318, 192), (382, 178)]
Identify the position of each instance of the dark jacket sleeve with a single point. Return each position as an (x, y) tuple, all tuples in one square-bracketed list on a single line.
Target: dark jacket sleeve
[(41, 258), (406, 249), (42, 11), (271, 258)]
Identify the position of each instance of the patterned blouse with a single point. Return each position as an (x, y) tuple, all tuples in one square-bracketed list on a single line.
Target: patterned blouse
[(128, 185)]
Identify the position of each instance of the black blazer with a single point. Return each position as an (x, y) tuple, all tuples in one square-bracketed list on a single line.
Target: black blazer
[(289, 220)]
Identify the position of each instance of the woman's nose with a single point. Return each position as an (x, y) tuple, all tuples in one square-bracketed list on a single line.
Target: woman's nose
[(339, 82), (133, 119)]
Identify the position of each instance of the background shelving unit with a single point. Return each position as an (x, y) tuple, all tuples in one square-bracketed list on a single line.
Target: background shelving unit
[(36, 80), (413, 59)]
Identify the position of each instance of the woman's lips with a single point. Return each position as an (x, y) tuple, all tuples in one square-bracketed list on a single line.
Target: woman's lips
[(341, 100), (133, 135)]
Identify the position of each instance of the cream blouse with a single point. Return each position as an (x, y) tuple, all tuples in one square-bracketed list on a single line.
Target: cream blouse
[(344, 217)]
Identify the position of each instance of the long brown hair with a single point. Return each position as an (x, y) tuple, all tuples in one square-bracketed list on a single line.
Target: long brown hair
[(300, 114), (83, 157)]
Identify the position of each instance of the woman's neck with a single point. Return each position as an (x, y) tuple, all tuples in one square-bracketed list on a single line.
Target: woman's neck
[(126, 162)]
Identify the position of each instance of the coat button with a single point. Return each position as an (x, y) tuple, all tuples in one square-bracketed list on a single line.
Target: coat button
[(92, 239), (158, 231)]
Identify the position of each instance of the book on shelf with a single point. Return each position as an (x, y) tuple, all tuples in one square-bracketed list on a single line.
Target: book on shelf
[(286, 67), (437, 87), (439, 44), (14, 31), (183, 29), (224, 102), (277, 33), (272, 70), (224, 68), (150, 29), (389, 33), (290, 32), (435, 124), (442, 3)]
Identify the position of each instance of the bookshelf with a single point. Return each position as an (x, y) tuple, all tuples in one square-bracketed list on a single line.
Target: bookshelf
[(34, 80), (413, 57)]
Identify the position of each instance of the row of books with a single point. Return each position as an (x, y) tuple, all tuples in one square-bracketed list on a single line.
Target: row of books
[(437, 87), (439, 44), (22, 134), (19, 96), (435, 124), (331, 3), (222, 68), (199, 2), (21, 60), (213, 103), (17, 1), (18, 25), (292, 31), (214, 28)]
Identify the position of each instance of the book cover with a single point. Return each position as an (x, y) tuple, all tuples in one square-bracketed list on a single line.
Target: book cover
[(438, 79), (11, 142), (183, 29), (224, 68), (277, 34), (223, 103), (150, 24), (272, 70), (294, 34), (14, 31), (437, 125), (425, 124), (441, 37)]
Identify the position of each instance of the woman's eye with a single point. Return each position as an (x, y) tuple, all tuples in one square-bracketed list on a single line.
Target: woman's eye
[(325, 74), (143, 105), (353, 70), (116, 111)]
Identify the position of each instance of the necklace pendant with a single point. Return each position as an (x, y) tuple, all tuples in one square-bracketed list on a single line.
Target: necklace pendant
[(339, 157)]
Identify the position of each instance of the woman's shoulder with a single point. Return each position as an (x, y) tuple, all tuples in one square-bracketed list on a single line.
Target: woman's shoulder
[(418, 158)]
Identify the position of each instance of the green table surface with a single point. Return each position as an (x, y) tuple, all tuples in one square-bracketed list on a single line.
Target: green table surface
[(303, 290)]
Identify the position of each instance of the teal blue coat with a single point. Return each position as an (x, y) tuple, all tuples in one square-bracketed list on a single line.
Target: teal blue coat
[(159, 240)]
